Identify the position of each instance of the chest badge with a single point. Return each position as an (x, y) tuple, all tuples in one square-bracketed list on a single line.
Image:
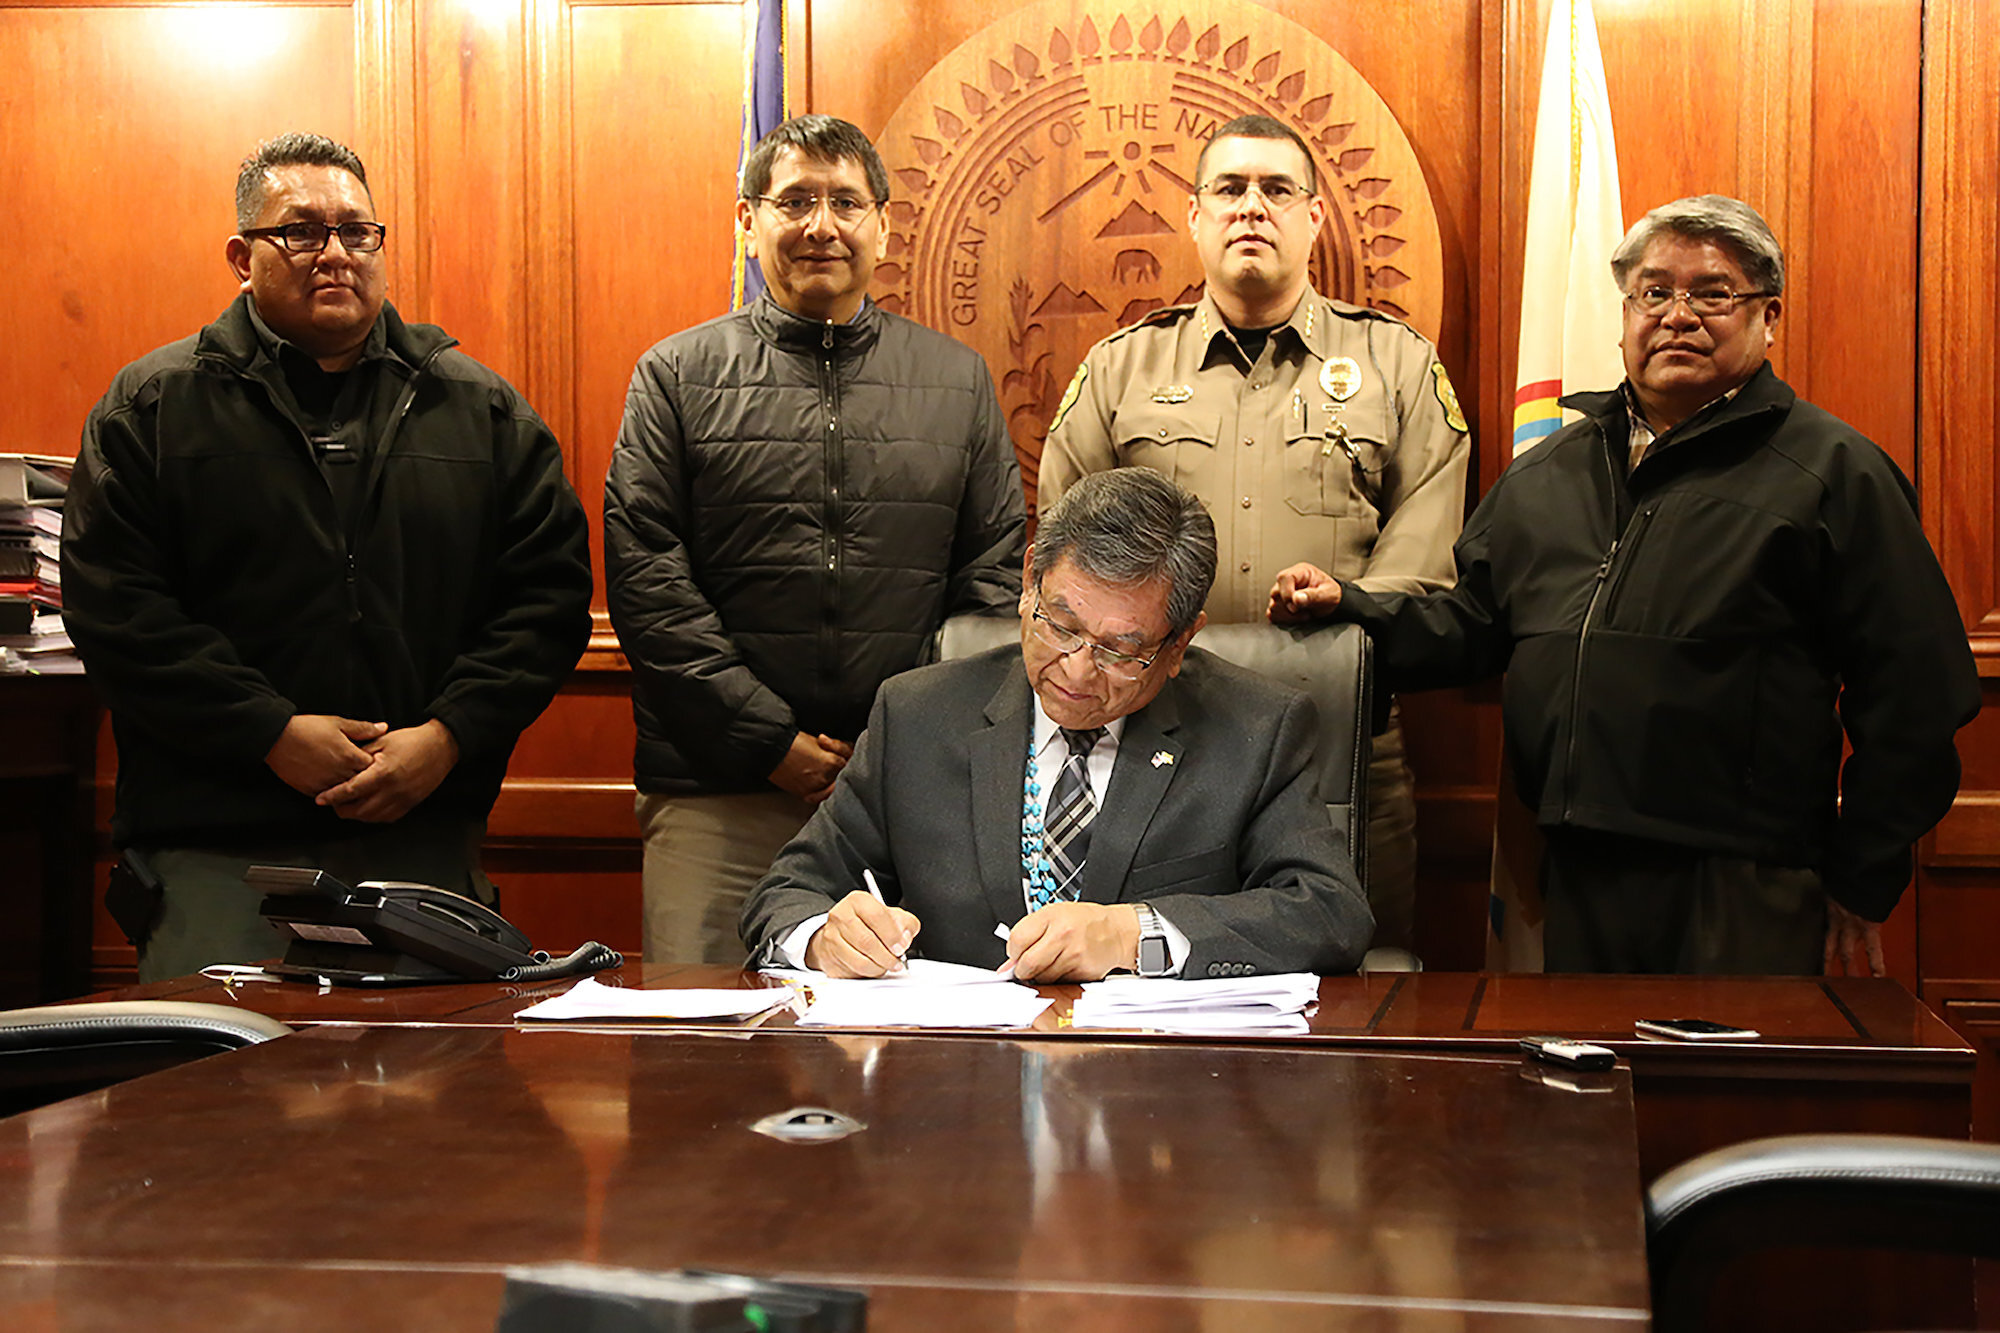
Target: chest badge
[(1161, 757), (1340, 376), (1173, 393)]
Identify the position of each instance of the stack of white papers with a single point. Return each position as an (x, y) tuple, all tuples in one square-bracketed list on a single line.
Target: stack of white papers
[(926, 994), (1222, 1004), (590, 1000)]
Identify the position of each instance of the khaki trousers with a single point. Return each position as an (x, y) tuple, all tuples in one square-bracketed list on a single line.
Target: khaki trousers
[(703, 856)]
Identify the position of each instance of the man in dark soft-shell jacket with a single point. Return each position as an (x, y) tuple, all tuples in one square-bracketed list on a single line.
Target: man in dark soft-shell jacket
[(322, 568), (1695, 591)]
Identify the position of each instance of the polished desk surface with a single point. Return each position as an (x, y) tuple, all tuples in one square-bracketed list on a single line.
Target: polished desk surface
[(384, 1176), (1807, 1023)]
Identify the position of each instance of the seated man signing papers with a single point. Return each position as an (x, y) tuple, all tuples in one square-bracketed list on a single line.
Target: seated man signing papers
[(1105, 798)]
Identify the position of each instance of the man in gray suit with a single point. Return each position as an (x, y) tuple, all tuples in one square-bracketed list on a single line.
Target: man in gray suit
[(1106, 798)]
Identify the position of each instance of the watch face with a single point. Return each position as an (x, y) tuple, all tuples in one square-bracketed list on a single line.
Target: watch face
[(1152, 955)]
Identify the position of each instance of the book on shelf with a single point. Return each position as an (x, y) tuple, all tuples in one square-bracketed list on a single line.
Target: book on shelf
[(33, 479)]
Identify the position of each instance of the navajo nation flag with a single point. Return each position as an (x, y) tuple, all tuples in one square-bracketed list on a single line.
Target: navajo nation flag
[(1569, 341), (764, 109), (1569, 305)]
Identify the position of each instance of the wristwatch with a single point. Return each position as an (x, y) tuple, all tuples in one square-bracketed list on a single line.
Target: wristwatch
[(1154, 960)]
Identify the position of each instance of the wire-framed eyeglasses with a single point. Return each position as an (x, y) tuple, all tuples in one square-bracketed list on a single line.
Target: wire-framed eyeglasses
[(304, 238), (1112, 662), (1705, 303), (847, 209)]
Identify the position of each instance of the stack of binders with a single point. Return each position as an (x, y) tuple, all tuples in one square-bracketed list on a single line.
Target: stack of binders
[(31, 627)]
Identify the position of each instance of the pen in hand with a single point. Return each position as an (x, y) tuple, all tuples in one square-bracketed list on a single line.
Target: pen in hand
[(875, 892)]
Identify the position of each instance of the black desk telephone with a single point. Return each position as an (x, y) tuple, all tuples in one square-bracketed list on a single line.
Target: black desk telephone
[(384, 933)]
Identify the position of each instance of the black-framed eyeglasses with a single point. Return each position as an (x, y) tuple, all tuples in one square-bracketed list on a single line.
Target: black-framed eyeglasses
[(1704, 303), (1278, 192), (305, 238), (847, 209), (1125, 666)]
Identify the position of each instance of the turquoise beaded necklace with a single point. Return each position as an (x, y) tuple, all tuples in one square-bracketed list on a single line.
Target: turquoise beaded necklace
[(1036, 870)]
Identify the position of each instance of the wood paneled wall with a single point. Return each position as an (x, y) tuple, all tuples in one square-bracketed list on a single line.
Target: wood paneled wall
[(557, 178)]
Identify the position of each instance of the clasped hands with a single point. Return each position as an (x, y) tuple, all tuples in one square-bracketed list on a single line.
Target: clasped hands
[(1063, 942), (363, 770), (808, 769)]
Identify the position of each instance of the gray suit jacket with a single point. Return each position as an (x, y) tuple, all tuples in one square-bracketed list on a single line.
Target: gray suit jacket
[(1210, 816)]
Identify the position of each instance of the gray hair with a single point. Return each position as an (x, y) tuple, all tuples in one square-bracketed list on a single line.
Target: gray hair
[(1131, 526), (821, 138), (1729, 223), (290, 150)]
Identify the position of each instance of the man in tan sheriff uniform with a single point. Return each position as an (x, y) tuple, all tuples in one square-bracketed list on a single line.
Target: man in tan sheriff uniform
[(1312, 428)]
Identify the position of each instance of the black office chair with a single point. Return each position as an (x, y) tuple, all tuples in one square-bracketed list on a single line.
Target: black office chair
[(58, 1051), (1887, 1191), (1331, 664)]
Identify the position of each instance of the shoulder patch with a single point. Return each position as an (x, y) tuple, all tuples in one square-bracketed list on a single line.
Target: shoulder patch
[(1345, 310), (1447, 397), (1155, 318), (1070, 394)]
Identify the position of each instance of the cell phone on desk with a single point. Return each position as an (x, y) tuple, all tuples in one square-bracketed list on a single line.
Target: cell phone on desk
[(1693, 1029)]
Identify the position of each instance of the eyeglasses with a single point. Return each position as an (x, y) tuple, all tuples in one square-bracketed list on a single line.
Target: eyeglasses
[(1278, 192), (304, 238), (1704, 304), (847, 209), (1122, 666)]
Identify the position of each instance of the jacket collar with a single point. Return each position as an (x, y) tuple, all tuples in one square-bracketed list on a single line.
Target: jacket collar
[(795, 333), (233, 339), (1762, 393)]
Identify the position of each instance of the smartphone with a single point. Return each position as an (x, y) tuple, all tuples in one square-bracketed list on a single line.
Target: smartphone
[(1693, 1029), (1573, 1054)]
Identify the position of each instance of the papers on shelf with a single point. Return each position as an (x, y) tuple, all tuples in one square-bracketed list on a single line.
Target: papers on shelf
[(1215, 1005), (589, 1000), (926, 994)]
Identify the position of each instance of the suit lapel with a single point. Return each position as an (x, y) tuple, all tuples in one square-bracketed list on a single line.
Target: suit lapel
[(999, 756), (1139, 781)]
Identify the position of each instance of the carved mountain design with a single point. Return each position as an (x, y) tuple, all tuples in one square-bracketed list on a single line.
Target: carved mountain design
[(1063, 301), (1136, 220)]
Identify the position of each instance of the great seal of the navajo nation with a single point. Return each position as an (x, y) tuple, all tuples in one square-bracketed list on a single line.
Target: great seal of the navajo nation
[(1043, 168)]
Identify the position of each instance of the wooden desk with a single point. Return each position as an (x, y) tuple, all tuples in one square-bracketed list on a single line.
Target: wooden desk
[(352, 1177), (1854, 1054)]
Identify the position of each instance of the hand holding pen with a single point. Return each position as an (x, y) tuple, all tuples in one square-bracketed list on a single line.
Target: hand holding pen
[(863, 935)]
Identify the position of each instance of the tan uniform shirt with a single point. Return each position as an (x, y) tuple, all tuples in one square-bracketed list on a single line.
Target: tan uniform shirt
[(1343, 444)]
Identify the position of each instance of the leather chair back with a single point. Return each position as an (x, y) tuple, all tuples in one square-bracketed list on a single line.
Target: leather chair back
[(57, 1051), (1813, 1192)]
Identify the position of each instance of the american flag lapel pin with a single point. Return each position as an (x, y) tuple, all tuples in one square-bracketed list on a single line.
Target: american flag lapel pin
[(1161, 757)]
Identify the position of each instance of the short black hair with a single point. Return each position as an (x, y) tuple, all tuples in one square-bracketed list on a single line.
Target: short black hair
[(1259, 127), (290, 150), (821, 138)]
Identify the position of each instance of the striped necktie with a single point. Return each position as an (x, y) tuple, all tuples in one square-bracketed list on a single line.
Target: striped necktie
[(1071, 808)]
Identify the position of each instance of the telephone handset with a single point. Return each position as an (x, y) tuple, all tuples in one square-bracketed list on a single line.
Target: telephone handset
[(388, 933)]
